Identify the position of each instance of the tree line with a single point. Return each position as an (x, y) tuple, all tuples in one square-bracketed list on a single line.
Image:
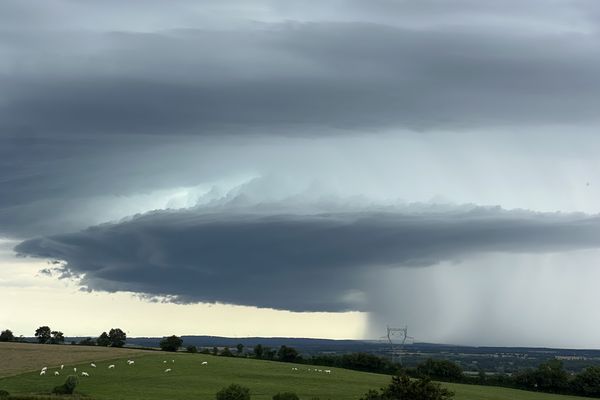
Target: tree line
[(116, 337)]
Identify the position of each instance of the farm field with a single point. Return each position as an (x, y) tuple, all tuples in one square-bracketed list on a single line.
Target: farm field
[(189, 379), (21, 357)]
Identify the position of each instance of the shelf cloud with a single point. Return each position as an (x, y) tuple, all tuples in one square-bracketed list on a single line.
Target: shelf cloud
[(294, 261)]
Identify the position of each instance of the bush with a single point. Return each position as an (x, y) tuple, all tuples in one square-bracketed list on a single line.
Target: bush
[(4, 394), (403, 388), (286, 396), (234, 392), (68, 387), (192, 349)]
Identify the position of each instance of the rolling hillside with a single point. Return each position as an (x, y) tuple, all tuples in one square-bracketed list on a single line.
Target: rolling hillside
[(189, 379)]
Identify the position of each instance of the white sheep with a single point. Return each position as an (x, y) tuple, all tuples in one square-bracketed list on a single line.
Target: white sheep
[(168, 370), (111, 366), (84, 374), (130, 362), (62, 366), (45, 368), (93, 365), (204, 362), (56, 373), (43, 372), (327, 371), (74, 369), (164, 362)]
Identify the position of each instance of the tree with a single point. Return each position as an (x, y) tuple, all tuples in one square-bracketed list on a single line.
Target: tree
[(117, 337), (268, 353), (226, 352), (403, 388), (258, 351), (43, 334), (215, 350), (548, 377), (287, 354), (240, 349), (7, 336), (57, 337), (234, 392), (192, 349), (587, 382), (443, 370), (171, 343), (103, 340)]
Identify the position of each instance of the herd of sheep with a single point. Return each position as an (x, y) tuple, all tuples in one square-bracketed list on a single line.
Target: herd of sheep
[(167, 370), (111, 366)]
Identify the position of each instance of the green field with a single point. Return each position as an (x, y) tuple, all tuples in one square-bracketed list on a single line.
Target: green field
[(189, 379)]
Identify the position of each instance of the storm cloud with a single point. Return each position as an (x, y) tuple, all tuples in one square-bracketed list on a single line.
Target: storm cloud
[(289, 155), (295, 262)]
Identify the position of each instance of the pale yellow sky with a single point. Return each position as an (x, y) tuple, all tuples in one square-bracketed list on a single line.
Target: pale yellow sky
[(30, 299)]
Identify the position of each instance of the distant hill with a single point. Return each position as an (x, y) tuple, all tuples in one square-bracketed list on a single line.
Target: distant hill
[(304, 345)]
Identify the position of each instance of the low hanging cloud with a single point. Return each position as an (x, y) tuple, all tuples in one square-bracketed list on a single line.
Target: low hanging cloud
[(290, 261)]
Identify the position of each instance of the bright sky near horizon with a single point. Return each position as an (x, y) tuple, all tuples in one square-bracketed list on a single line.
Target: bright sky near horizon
[(302, 168)]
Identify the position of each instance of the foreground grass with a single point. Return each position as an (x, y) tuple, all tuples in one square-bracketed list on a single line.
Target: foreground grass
[(189, 379)]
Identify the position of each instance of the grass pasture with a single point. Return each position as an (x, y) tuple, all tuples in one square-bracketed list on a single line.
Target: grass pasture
[(190, 380)]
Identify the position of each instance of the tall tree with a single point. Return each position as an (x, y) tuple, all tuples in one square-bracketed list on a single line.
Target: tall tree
[(43, 334), (240, 349), (287, 354), (57, 337), (103, 340), (117, 337), (171, 343), (7, 336), (258, 351)]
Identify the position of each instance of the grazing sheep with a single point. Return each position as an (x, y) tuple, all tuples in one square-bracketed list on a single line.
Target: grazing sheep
[(93, 365), (84, 374), (168, 370), (74, 369), (204, 362), (327, 371), (56, 373), (111, 366), (45, 368), (164, 362), (62, 366), (43, 372), (130, 362)]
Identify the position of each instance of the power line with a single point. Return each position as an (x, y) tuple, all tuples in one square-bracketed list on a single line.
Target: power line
[(397, 338)]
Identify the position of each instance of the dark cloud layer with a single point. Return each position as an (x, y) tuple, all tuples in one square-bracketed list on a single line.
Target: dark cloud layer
[(294, 78), (293, 262), (93, 93)]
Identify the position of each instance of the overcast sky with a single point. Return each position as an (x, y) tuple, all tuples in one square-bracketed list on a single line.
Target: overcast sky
[(302, 168)]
